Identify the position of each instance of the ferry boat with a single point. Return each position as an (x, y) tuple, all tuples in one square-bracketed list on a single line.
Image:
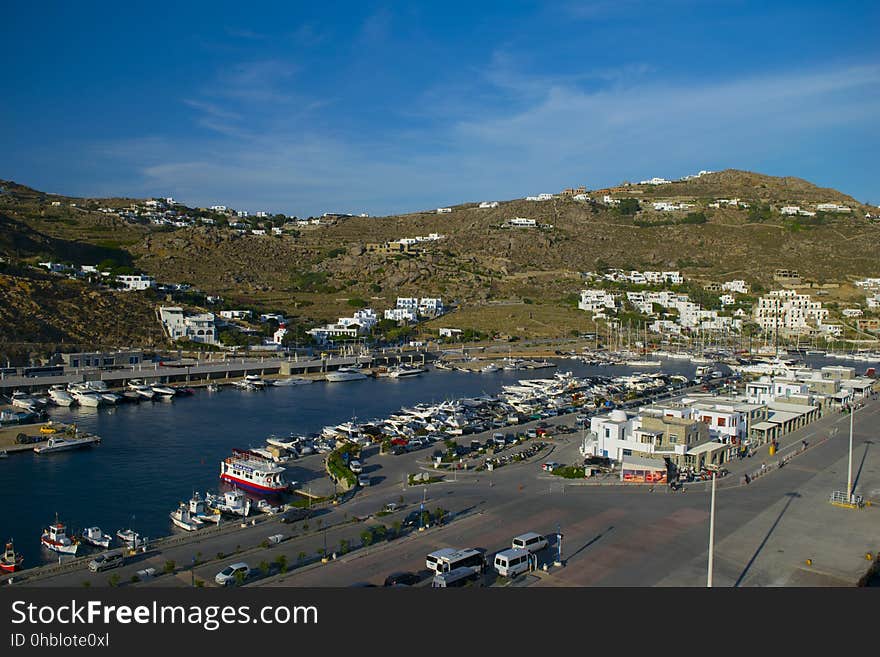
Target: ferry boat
[(56, 539), (254, 472), (234, 502), (11, 560), (182, 518), (345, 374), (94, 536)]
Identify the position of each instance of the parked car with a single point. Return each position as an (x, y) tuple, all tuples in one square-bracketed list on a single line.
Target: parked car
[(106, 561), (355, 466), (391, 507), (412, 519), (363, 480), (227, 576), (550, 466), (402, 579), (295, 515)]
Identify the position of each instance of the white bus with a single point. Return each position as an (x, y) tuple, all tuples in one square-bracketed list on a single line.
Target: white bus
[(456, 577), (448, 559), (512, 562)]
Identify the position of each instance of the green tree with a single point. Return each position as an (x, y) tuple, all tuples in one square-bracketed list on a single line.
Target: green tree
[(170, 566), (628, 206), (265, 567), (366, 537)]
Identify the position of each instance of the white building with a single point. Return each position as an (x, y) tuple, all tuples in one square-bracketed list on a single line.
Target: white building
[(597, 301), (444, 210), (278, 336), (200, 327), (450, 332), (136, 282), (789, 312), (280, 319), (361, 322), (609, 200), (738, 286), (853, 312), (218, 208), (431, 306), (410, 303), (832, 207), (488, 204), (522, 222), (727, 299), (401, 315), (655, 181), (236, 314)]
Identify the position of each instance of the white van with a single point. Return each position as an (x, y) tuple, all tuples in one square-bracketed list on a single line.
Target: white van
[(530, 541), (512, 562), (456, 577)]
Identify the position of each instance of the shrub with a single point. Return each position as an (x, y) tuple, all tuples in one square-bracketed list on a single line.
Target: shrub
[(169, 566)]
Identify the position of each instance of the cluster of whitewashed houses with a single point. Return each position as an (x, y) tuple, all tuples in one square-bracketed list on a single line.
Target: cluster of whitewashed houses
[(699, 431), (411, 309), (407, 309), (788, 313)]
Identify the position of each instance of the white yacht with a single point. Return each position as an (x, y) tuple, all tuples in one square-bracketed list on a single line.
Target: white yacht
[(345, 374), (25, 401), (490, 368), (87, 398), (60, 396), (163, 390), (143, 390), (404, 370), (63, 444)]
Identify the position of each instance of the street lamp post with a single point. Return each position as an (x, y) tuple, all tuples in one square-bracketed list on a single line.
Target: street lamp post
[(711, 534), (849, 484)]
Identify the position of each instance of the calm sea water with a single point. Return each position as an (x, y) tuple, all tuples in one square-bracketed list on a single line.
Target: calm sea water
[(155, 454)]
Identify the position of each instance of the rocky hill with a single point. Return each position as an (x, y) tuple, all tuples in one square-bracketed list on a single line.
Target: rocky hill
[(319, 273)]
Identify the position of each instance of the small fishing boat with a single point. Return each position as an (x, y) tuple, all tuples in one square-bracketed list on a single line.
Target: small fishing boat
[(131, 538), (56, 539), (94, 536), (182, 518), (212, 387), (233, 502), (11, 560)]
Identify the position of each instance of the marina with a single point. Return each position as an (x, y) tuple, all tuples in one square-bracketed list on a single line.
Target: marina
[(165, 448)]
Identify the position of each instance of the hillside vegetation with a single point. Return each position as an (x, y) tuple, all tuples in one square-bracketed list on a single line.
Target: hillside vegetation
[(317, 274)]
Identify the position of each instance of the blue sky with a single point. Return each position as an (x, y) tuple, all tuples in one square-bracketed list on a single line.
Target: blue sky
[(304, 108)]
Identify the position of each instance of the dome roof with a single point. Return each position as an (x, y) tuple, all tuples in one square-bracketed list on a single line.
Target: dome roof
[(618, 415)]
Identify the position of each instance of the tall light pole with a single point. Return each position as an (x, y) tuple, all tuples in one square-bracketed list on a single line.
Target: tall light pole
[(711, 534), (849, 484)]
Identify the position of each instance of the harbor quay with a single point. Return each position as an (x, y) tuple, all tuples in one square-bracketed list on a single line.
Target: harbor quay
[(204, 371), (780, 529)]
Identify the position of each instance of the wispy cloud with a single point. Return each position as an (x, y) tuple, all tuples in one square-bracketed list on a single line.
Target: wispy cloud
[(562, 132)]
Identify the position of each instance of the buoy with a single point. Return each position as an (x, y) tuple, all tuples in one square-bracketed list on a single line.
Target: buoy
[(809, 562), (869, 556)]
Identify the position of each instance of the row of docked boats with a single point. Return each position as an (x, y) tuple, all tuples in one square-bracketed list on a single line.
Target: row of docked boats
[(209, 510), (92, 394), (256, 382)]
